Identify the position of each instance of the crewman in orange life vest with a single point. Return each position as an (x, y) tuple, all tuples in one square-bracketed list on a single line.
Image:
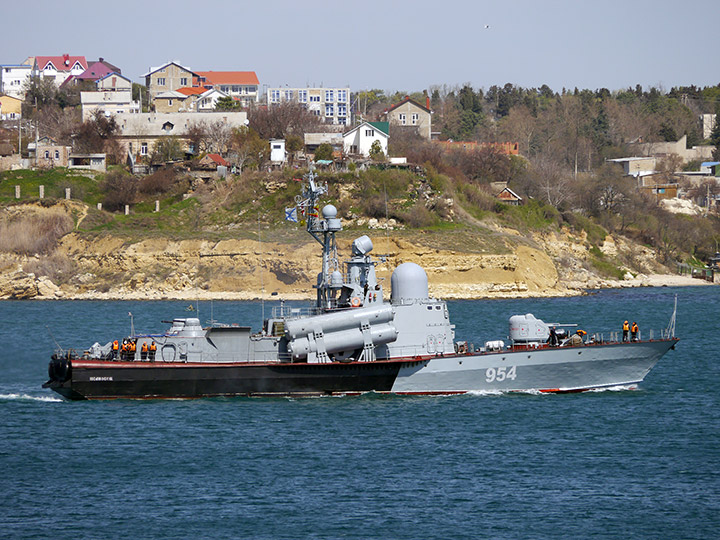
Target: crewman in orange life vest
[(626, 329), (144, 351), (634, 331)]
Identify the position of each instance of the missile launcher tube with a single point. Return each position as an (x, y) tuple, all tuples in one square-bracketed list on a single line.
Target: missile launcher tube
[(341, 320), (343, 340)]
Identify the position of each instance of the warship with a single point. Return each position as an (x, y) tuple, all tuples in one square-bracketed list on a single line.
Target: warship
[(352, 341)]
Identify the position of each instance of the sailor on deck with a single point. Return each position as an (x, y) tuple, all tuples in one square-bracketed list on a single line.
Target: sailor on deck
[(634, 331), (626, 329)]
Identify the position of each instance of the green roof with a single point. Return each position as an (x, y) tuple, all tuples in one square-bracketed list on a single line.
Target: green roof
[(382, 126)]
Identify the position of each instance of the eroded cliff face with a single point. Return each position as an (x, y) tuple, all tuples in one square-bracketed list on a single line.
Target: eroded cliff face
[(112, 267)]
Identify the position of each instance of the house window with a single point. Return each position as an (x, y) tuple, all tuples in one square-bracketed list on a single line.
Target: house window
[(143, 149), (47, 154), (302, 96), (57, 154), (316, 112), (314, 98), (236, 89), (342, 96), (342, 110), (329, 110), (183, 81), (276, 147), (369, 132), (169, 102), (161, 81), (353, 149), (289, 95), (329, 95), (274, 96), (401, 119), (414, 119)]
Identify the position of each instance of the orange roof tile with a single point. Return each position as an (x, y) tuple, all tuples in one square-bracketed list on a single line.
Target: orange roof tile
[(229, 77), (188, 91)]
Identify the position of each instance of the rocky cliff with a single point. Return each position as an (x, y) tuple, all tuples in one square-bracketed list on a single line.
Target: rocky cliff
[(113, 267)]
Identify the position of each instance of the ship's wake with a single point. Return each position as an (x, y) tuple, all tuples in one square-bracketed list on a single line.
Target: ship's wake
[(28, 397)]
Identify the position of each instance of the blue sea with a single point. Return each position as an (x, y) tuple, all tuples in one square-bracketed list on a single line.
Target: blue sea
[(626, 463)]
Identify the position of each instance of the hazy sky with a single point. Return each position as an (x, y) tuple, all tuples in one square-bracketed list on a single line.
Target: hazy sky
[(392, 45)]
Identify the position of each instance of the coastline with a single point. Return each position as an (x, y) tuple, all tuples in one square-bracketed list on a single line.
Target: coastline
[(479, 291)]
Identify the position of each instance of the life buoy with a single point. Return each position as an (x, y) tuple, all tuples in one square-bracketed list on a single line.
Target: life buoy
[(355, 302)]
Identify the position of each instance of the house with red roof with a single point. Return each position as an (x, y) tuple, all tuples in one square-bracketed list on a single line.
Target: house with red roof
[(59, 68), (212, 161), (240, 85)]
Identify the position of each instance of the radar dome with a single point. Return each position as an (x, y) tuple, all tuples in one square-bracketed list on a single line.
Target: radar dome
[(409, 282), (329, 211)]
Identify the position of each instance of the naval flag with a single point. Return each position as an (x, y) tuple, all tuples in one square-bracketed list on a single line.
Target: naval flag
[(291, 214)]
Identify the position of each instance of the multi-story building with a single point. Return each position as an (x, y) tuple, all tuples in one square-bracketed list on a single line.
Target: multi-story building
[(12, 79), (410, 114), (332, 105), (108, 102), (166, 78), (240, 85)]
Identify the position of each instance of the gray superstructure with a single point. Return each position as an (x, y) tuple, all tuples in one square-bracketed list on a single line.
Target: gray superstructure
[(352, 341)]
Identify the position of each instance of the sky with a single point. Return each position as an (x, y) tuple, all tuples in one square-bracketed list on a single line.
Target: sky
[(390, 45)]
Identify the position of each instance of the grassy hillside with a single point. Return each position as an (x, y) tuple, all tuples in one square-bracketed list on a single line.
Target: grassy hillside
[(425, 207)]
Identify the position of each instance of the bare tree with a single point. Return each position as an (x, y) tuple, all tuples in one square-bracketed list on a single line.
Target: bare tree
[(279, 121), (218, 135), (196, 135)]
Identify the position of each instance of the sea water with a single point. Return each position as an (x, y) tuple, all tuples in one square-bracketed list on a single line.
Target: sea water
[(624, 463)]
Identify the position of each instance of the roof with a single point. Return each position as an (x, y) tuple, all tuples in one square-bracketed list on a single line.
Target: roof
[(116, 74), (64, 62), (511, 192), (191, 91), (153, 124), (171, 94), (166, 64), (709, 163), (229, 77), (407, 99), (217, 158), (383, 127), (626, 159), (96, 71)]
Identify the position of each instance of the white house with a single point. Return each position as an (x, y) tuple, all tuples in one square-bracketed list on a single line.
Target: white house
[(206, 101), (12, 79), (241, 85), (109, 102), (360, 139), (59, 68)]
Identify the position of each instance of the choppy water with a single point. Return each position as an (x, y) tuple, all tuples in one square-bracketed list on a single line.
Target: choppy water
[(627, 463)]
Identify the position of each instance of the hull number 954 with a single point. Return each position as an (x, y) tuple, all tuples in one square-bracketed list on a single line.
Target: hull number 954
[(500, 374)]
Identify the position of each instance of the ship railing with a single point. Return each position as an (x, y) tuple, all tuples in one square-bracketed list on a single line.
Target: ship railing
[(287, 312)]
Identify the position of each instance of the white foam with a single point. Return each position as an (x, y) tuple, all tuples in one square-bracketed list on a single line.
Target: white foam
[(484, 393), (28, 397), (618, 388)]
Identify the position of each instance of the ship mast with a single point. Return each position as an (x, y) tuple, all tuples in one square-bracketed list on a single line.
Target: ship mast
[(322, 226)]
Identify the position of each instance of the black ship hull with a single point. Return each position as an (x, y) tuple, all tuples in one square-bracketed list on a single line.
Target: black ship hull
[(99, 379)]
